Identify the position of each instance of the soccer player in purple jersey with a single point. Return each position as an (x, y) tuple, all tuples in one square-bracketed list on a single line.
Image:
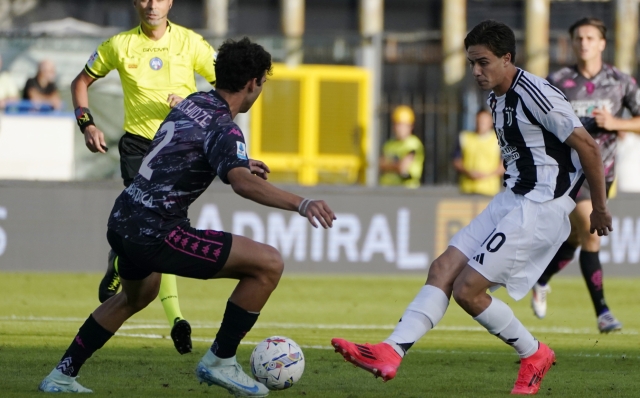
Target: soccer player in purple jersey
[(598, 93), (511, 242), (149, 229)]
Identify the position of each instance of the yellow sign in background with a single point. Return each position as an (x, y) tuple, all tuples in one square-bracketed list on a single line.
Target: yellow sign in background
[(453, 215), (310, 124)]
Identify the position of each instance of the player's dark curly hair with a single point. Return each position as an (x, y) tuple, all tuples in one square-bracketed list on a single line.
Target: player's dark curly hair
[(496, 36), (237, 62), (595, 22)]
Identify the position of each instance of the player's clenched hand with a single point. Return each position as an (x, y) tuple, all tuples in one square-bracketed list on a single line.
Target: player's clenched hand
[(94, 139), (259, 168), (604, 119), (174, 100), (600, 222), (319, 210)]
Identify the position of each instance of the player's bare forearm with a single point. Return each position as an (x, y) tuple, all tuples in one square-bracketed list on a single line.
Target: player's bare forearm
[(591, 161), (631, 125), (80, 90), (256, 189)]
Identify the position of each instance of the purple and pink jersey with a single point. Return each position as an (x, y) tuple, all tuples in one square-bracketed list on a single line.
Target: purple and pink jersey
[(197, 142), (609, 89)]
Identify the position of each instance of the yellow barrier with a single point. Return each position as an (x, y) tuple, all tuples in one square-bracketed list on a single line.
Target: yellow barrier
[(310, 125)]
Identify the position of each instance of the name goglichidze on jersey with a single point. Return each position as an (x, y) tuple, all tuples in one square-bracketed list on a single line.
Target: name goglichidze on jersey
[(197, 142)]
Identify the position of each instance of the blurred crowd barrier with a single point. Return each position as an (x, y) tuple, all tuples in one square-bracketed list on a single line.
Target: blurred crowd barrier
[(313, 129), (37, 146), (310, 125), (377, 230)]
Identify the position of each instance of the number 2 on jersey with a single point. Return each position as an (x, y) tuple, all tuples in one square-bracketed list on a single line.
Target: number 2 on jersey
[(169, 129)]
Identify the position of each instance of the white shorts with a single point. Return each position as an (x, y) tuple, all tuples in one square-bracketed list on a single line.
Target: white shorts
[(513, 240)]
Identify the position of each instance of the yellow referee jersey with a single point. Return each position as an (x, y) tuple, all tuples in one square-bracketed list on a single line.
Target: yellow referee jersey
[(151, 70)]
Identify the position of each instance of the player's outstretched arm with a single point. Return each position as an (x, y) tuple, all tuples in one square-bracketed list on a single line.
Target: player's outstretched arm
[(255, 188), (591, 161), (93, 137)]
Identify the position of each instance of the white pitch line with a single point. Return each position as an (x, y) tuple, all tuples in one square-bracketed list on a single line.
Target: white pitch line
[(142, 324), (418, 350), (243, 342)]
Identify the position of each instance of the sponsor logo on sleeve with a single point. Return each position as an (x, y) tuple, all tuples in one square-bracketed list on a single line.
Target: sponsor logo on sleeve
[(242, 150), (92, 59)]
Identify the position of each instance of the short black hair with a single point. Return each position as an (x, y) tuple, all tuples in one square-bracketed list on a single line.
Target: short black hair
[(237, 62), (595, 22), (496, 36)]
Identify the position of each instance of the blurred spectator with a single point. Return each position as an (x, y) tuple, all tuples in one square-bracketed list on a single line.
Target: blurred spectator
[(403, 156), (8, 88), (477, 158), (42, 88)]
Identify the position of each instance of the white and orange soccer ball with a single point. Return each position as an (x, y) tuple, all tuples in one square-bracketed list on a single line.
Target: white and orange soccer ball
[(277, 362)]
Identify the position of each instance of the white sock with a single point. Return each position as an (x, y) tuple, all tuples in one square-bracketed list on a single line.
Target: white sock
[(210, 359), (422, 315), (499, 320)]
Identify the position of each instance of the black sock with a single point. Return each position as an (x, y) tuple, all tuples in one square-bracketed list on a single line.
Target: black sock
[(592, 272), (560, 260), (236, 323), (90, 338)]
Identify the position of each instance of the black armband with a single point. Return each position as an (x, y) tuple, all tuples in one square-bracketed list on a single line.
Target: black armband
[(83, 118)]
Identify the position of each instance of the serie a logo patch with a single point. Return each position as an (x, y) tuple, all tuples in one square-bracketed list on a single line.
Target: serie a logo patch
[(92, 59), (155, 63), (242, 150)]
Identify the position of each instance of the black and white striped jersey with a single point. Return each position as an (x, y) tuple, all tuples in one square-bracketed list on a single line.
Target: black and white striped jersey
[(532, 120)]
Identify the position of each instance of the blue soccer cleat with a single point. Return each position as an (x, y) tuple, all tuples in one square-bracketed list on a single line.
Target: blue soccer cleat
[(227, 373)]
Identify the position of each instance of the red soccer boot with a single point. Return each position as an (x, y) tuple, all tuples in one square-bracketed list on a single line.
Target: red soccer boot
[(380, 359), (532, 371)]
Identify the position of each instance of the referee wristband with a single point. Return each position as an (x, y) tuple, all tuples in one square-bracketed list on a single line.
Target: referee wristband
[(302, 209), (83, 118)]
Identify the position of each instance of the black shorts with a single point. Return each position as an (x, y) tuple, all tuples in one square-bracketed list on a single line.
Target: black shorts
[(188, 252), (585, 191), (132, 149)]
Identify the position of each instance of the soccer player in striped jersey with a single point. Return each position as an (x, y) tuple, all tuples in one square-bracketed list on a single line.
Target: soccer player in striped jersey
[(156, 62), (545, 150), (598, 93)]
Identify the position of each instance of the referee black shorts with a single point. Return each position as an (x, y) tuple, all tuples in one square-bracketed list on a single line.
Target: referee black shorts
[(186, 251), (132, 148)]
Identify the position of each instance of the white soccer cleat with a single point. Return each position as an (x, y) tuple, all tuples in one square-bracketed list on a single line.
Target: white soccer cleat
[(539, 299), (58, 382), (227, 373), (608, 323)]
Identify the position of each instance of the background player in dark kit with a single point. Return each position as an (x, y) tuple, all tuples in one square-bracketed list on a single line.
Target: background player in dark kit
[(598, 93)]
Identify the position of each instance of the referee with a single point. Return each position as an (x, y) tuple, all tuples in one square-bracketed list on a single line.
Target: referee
[(156, 61)]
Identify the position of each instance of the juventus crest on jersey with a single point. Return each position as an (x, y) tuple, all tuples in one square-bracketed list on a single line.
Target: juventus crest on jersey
[(532, 120)]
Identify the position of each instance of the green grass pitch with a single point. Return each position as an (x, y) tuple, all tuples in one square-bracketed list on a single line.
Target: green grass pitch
[(40, 314)]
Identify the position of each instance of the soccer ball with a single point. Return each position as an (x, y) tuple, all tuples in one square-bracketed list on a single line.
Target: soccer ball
[(277, 362)]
